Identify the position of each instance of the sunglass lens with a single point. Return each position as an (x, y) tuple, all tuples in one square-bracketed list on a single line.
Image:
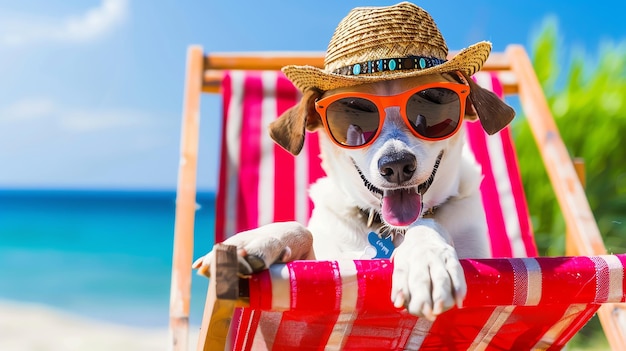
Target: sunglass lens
[(352, 121), (435, 112)]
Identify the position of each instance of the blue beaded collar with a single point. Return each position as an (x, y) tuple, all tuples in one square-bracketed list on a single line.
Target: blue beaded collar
[(390, 64)]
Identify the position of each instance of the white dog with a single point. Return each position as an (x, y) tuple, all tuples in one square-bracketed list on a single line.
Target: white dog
[(396, 164)]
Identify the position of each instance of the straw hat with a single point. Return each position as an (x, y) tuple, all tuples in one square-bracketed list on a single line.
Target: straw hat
[(381, 43)]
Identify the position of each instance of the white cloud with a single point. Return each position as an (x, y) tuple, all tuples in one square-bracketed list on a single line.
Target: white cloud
[(78, 120), (20, 28), (68, 119), (27, 109)]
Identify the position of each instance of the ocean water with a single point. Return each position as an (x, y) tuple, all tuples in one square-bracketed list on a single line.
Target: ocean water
[(100, 254)]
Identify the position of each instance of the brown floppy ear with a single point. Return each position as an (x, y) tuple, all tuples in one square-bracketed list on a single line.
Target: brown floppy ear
[(492, 112), (288, 130)]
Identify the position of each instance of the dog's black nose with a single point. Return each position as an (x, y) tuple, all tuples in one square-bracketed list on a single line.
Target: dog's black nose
[(398, 167)]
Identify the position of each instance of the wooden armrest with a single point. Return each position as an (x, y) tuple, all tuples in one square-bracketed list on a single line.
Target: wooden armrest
[(223, 297)]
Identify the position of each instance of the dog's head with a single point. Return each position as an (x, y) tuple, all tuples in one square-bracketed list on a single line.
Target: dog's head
[(392, 174)]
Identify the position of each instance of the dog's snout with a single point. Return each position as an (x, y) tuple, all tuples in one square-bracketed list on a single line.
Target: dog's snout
[(398, 167)]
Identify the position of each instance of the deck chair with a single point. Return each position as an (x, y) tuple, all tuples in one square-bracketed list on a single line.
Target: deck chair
[(515, 301)]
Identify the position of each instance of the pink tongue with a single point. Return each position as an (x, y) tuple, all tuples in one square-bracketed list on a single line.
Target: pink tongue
[(401, 207)]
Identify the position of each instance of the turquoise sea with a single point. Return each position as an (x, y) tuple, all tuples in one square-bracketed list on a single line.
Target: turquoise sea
[(100, 254)]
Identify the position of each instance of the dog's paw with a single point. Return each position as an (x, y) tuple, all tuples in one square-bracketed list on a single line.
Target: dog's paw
[(258, 248), (427, 278)]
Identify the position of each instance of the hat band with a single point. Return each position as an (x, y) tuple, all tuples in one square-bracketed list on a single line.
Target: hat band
[(389, 64)]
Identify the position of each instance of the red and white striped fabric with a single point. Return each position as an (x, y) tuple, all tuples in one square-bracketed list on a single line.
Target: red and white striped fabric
[(260, 183), (512, 304), (503, 196), (344, 305)]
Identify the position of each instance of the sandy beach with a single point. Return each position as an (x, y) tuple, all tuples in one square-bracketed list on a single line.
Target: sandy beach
[(32, 327)]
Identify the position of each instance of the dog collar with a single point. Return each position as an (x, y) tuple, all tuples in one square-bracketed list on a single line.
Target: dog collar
[(381, 237)]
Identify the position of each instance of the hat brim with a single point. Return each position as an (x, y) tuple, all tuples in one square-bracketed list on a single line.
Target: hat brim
[(469, 60)]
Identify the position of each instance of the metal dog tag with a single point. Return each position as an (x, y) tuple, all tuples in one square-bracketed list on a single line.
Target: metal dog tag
[(383, 246)]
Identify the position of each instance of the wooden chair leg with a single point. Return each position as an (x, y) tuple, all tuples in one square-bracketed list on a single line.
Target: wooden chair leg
[(221, 299), (180, 292), (570, 245)]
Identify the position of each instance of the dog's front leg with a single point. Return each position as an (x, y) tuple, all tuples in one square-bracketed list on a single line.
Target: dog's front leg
[(427, 278), (258, 248)]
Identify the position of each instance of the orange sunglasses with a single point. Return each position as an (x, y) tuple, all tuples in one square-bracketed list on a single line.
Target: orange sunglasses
[(432, 111)]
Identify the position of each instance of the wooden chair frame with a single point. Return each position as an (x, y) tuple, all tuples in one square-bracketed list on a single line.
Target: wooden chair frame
[(204, 74)]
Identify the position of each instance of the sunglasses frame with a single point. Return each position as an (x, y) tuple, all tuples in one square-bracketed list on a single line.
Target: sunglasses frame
[(399, 100)]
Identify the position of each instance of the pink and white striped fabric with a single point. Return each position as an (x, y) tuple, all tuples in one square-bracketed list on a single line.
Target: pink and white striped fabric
[(503, 196), (512, 304), (260, 183)]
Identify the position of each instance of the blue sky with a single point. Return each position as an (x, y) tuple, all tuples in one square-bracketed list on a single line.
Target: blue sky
[(91, 90)]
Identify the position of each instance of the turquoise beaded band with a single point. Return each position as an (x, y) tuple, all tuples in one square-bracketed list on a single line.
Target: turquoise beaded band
[(390, 64)]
